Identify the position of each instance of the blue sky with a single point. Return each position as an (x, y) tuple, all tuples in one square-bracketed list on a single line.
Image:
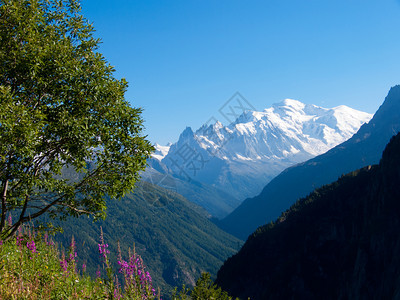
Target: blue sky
[(184, 59)]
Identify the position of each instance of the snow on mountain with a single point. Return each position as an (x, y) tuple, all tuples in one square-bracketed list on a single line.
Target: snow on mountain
[(244, 156), (161, 151), (286, 130)]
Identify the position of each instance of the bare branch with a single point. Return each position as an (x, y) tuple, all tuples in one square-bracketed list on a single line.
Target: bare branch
[(80, 211)]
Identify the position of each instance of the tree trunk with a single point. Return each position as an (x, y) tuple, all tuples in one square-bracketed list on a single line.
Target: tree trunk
[(3, 206)]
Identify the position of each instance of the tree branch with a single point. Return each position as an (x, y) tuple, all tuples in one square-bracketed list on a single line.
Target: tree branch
[(80, 211), (21, 216)]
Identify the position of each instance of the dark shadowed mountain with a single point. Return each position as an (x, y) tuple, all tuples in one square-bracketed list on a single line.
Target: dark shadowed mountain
[(364, 148), (341, 242)]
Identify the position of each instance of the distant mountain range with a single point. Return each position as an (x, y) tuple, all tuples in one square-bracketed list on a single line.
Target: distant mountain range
[(340, 242), (364, 148), (239, 159)]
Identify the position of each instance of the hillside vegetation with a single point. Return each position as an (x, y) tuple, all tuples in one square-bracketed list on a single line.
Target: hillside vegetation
[(32, 267), (173, 236)]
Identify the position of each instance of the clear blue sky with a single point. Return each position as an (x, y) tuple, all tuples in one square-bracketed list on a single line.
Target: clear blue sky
[(184, 59)]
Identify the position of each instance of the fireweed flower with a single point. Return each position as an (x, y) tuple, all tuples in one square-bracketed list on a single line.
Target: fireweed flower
[(31, 246), (48, 241), (103, 251), (72, 252), (19, 240), (72, 256), (136, 278), (117, 289), (64, 263), (117, 295), (138, 282), (98, 273)]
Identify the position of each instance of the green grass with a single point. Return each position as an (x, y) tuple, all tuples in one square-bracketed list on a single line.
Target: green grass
[(31, 267)]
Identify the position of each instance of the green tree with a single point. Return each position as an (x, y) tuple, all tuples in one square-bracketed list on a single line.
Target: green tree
[(68, 137), (204, 289)]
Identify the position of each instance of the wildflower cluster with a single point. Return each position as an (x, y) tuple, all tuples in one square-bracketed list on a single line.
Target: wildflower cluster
[(137, 280), (48, 241), (103, 251), (27, 240), (64, 263), (72, 254), (32, 268), (31, 246), (68, 264), (19, 240)]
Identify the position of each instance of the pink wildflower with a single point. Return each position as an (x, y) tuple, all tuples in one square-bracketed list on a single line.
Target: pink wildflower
[(98, 273), (103, 251), (64, 263), (19, 240), (31, 246)]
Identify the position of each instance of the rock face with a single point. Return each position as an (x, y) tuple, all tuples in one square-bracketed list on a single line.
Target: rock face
[(239, 159), (364, 148), (341, 242)]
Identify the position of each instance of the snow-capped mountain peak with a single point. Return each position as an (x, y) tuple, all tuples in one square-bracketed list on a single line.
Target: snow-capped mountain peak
[(289, 127), (242, 157), (161, 151), (290, 104)]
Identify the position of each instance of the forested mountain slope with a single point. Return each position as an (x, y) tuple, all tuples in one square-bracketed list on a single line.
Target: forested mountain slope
[(174, 237)]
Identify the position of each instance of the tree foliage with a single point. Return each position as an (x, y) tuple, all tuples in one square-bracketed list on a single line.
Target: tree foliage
[(62, 112), (205, 289)]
